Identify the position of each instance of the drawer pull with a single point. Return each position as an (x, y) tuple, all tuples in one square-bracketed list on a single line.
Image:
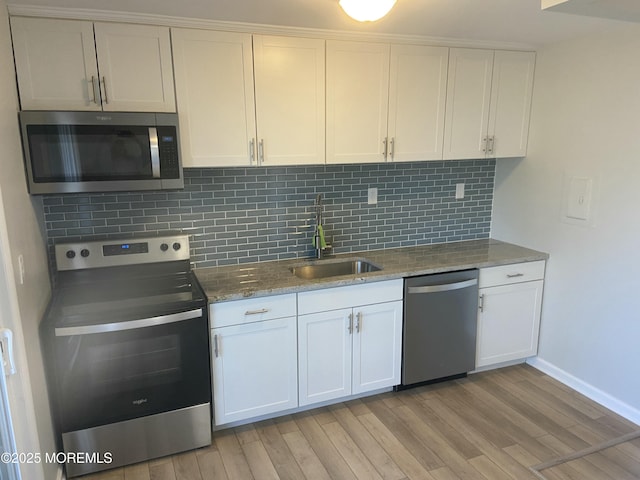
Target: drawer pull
[(515, 275), (256, 312), (215, 345), (481, 303)]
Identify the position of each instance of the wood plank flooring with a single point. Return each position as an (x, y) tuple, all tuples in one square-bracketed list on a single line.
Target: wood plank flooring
[(509, 424)]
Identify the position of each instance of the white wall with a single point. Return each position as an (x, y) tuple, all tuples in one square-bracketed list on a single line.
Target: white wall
[(585, 122), (21, 214)]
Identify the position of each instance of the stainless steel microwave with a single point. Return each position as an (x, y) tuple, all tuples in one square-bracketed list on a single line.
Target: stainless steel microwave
[(69, 152)]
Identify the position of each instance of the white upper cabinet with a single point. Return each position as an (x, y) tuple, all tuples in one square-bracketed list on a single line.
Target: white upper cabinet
[(290, 99), (55, 64), (488, 103), (59, 67), (417, 95), (136, 71), (385, 102), (511, 92), (214, 89), (222, 121), (357, 101), (468, 99)]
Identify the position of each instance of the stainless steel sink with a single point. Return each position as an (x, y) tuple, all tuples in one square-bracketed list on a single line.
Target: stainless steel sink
[(334, 269)]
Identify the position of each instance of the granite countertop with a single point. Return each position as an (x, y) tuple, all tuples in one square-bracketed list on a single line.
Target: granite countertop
[(269, 278)]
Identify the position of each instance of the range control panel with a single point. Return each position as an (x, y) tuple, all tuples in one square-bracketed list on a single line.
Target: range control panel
[(118, 252)]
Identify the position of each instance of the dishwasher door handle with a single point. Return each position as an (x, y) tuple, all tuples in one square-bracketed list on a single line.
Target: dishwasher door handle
[(445, 287)]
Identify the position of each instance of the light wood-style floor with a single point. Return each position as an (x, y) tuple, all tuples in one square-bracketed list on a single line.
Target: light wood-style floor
[(509, 424)]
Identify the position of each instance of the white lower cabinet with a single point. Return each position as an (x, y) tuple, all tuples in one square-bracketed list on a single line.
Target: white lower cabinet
[(349, 350), (509, 312), (254, 362)]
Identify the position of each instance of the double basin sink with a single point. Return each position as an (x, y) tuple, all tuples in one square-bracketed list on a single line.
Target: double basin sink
[(334, 269)]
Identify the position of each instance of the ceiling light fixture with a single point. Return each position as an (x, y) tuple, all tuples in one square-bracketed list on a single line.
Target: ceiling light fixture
[(367, 10)]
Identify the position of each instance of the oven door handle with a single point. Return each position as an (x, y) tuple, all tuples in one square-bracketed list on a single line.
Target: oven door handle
[(128, 325)]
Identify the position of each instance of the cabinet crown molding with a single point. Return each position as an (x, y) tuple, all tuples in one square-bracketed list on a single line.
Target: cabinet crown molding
[(184, 22)]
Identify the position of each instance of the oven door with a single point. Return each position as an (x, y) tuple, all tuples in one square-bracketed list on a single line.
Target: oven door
[(122, 370)]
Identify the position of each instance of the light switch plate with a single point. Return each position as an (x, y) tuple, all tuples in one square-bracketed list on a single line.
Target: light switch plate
[(579, 198)]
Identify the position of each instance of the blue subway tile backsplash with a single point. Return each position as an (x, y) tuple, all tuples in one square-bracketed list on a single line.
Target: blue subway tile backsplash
[(239, 215)]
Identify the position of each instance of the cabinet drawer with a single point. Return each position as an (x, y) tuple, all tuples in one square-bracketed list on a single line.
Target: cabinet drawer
[(508, 274), (250, 310), (349, 296)]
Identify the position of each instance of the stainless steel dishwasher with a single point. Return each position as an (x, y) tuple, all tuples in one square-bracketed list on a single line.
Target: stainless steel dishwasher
[(440, 320)]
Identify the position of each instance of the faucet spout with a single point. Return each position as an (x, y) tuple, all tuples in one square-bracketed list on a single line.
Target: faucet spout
[(319, 241)]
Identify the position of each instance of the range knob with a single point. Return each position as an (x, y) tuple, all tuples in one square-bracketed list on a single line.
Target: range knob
[(71, 254), (164, 247), (176, 246), (84, 253)]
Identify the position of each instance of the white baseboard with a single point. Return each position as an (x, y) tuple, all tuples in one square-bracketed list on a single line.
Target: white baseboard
[(621, 408)]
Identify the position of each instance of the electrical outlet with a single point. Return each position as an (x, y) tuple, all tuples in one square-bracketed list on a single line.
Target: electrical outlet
[(372, 196), (459, 191)]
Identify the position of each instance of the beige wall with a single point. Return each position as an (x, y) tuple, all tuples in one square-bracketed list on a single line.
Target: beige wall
[(23, 226), (586, 123)]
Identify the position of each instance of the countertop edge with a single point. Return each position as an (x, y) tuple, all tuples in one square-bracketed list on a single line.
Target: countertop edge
[(388, 273)]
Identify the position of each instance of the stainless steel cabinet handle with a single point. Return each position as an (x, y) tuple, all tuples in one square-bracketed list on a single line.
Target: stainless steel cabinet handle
[(350, 327), (392, 148), (256, 312), (445, 287), (481, 303), (129, 325), (261, 152), (93, 89), (215, 345), (491, 140), (384, 147), (252, 150), (359, 322), (104, 90), (515, 275), (485, 140)]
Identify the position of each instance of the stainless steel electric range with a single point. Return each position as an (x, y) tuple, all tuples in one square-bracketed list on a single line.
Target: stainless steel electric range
[(126, 342)]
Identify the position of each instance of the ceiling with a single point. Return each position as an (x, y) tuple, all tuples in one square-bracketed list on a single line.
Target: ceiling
[(515, 22)]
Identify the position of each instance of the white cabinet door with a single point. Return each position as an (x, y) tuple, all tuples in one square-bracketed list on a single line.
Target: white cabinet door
[(290, 99), (511, 92), (357, 101), (377, 345), (136, 71), (417, 96), (508, 322), (214, 89), (468, 100), (254, 369), (324, 356), (55, 64)]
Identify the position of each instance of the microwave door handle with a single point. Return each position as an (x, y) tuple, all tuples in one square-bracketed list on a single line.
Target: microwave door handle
[(155, 152), (128, 325)]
